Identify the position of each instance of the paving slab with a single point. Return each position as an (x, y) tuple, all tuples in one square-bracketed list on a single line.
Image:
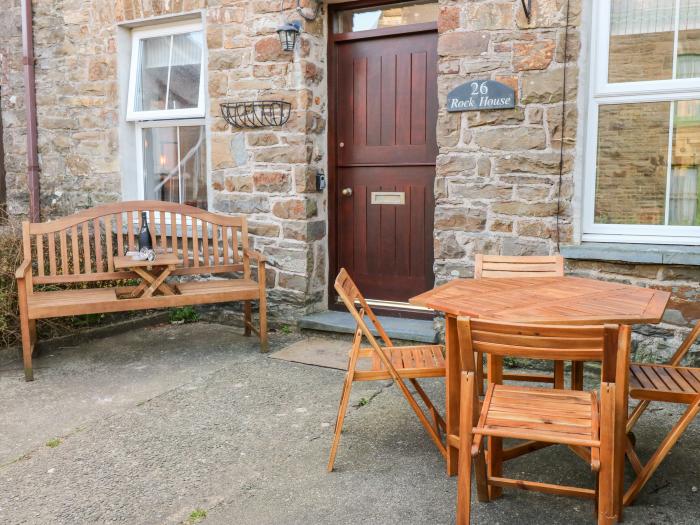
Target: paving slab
[(199, 419)]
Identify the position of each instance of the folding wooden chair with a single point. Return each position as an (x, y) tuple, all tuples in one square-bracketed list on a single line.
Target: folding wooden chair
[(670, 383), (567, 417), (379, 363), (501, 266)]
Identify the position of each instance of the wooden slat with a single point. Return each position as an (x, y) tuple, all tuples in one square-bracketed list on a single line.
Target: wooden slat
[(224, 241), (152, 228), (205, 243), (130, 230), (195, 242), (215, 243), (75, 251), (234, 244), (120, 234), (97, 234), (40, 254), (163, 230), (547, 488), (108, 243), (64, 252), (52, 253), (87, 256), (173, 232), (183, 239)]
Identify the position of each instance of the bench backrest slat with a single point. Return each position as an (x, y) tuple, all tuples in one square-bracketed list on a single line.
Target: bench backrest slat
[(89, 240)]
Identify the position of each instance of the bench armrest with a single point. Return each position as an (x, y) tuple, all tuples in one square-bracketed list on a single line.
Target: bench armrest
[(21, 272), (254, 255)]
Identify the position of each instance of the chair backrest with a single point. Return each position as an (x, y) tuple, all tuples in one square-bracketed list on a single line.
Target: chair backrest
[(357, 306), (82, 247), (606, 343), (526, 266)]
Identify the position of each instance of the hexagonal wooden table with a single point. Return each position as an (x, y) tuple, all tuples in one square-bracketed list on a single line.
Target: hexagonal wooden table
[(546, 300)]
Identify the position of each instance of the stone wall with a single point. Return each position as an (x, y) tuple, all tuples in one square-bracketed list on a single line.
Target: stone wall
[(267, 174), (497, 185), (497, 176), (12, 106)]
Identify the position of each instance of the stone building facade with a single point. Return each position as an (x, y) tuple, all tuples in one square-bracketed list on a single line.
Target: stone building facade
[(508, 181)]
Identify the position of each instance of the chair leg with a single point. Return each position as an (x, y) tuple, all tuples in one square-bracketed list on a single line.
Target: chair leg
[(661, 452), (248, 317), (342, 408), (636, 414), (606, 482), (263, 323), (479, 359), (466, 438)]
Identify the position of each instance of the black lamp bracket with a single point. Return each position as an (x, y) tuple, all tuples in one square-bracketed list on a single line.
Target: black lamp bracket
[(527, 7)]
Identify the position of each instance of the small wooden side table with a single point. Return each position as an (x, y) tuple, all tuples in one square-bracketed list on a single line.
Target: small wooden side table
[(152, 273)]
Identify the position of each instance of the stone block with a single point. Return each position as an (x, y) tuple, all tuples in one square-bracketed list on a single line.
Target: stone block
[(512, 139), (271, 181), (270, 50), (459, 218), (241, 203), (290, 260), (541, 163), (448, 18), (489, 15), (306, 231), (263, 228), (532, 55), (543, 209), (472, 43), (294, 208), (546, 87)]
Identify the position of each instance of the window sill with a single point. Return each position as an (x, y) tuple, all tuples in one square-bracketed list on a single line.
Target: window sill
[(633, 253)]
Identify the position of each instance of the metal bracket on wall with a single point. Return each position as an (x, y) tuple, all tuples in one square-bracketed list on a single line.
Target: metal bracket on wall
[(527, 7)]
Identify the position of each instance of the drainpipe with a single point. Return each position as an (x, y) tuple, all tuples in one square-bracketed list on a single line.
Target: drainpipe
[(30, 108)]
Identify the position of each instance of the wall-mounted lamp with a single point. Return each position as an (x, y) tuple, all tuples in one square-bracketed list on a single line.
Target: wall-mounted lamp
[(288, 34), (527, 7)]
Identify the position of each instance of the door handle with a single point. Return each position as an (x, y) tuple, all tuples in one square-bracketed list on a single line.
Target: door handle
[(347, 192)]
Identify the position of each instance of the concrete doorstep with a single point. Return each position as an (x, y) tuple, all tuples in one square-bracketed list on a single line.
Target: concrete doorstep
[(186, 424)]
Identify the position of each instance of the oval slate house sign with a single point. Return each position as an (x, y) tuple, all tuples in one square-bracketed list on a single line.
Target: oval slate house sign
[(480, 94)]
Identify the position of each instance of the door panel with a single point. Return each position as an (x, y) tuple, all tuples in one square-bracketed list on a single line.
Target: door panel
[(386, 111), (387, 100)]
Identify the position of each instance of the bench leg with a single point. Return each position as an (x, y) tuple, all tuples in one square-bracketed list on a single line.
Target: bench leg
[(263, 323), (248, 317), (27, 346)]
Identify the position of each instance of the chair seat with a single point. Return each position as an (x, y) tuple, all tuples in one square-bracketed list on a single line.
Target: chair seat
[(540, 414), (409, 362), (673, 384)]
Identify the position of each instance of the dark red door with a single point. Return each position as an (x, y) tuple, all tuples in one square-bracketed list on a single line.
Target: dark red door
[(386, 111)]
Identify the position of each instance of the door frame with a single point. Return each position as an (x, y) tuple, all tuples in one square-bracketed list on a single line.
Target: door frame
[(333, 186)]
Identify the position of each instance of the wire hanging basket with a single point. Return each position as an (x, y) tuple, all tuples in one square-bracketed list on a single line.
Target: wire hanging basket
[(258, 114)]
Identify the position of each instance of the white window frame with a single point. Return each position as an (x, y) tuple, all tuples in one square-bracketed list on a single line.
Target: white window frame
[(171, 29), (140, 126), (601, 92)]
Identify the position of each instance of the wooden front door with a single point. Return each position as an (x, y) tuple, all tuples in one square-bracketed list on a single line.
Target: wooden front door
[(385, 150)]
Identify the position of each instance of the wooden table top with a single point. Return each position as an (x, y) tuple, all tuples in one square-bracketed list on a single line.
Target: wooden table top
[(162, 259), (557, 300)]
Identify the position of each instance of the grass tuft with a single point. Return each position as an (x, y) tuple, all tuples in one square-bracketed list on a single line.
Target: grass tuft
[(53, 443), (196, 516)]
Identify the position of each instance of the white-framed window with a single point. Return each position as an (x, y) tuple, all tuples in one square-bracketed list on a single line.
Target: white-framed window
[(643, 131), (166, 107), (166, 79)]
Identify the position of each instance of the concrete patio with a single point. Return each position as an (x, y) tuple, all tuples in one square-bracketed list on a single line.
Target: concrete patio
[(156, 422)]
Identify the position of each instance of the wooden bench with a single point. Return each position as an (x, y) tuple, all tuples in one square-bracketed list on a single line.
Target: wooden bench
[(79, 250)]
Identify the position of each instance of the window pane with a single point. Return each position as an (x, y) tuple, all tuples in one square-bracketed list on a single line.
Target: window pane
[(401, 14), (185, 71), (169, 71), (641, 40), (683, 203), (152, 78), (168, 177), (193, 170), (689, 40), (632, 163)]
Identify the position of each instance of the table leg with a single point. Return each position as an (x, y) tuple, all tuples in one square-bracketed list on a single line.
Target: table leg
[(495, 444), (159, 284), (452, 391), (146, 280), (621, 413)]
